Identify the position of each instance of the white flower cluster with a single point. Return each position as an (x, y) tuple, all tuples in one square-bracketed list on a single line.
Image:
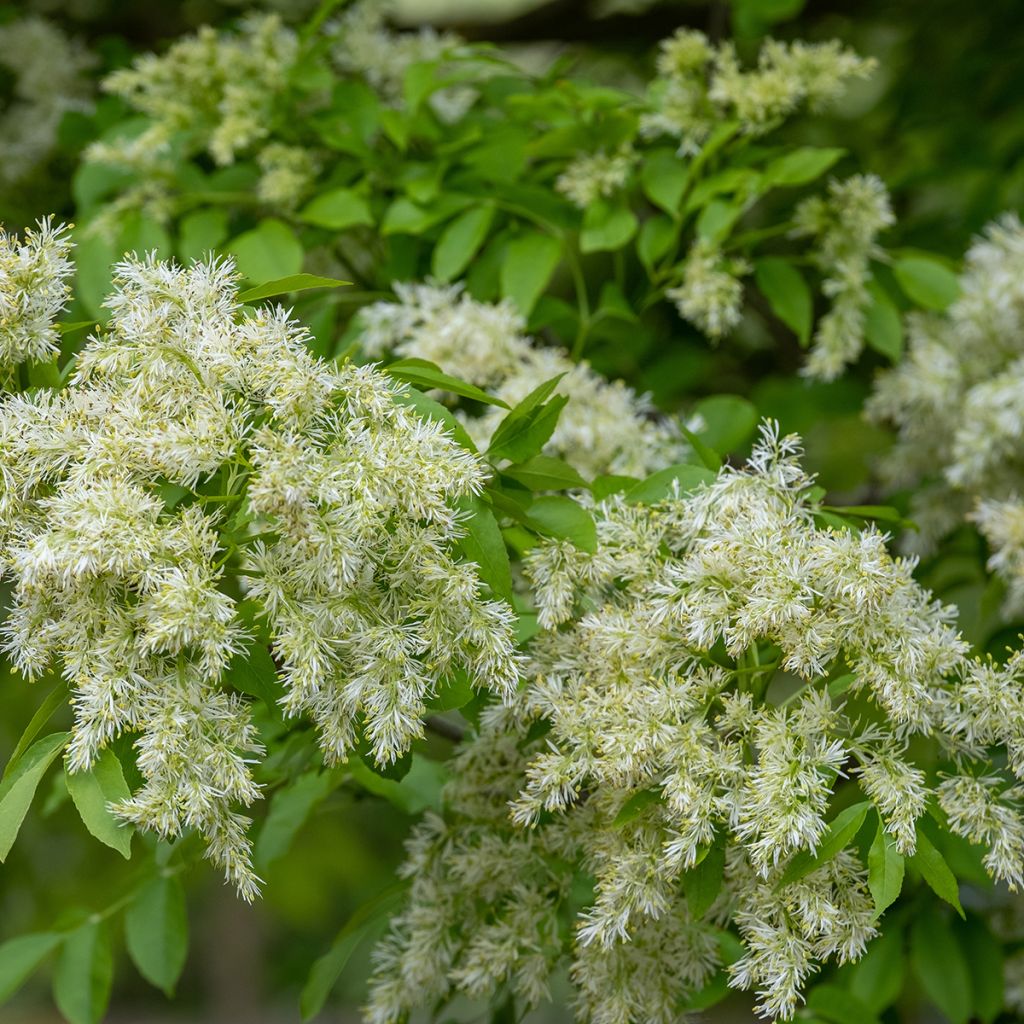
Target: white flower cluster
[(605, 428), (364, 44), (845, 225), (287, 174), (957, 399), (676, 712), (594, 176), (50, 81), (710, 295), (216, 90), (701, 85), (34, 289), (201, 456)]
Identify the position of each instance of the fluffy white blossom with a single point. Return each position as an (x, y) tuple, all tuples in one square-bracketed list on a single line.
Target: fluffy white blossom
[(702, 85), (710, 295), (957, 400), (34, 289), (605, 428), (844, 225), (287, 173), (675, 715), (593, 176), (201, 456), (49, 71)]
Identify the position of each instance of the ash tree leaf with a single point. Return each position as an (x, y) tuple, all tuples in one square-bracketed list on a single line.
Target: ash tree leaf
[(877, 978), (664, 177), (561, 517), (838, 1006), (654, 241), (338, 209), (290, 808), (983, 955), (156, 932), (787, 293), (659, 485), (935, 871), (287, 285), (927, 281), (366, 921), (201, 232), (19, 786), (20, 956), (883, 327), (421, 373), (530, 260), (253, 672), (268, 252), (716, 220), (939, 964), (484, 545), (885, 870), (729, 421), (84, 974), (606, 226), (544, 473), (703, 882), (709, 458), (460, 242), (841, 831), (529, 426), (635, 806), (54, 699), (800, 166), (93, 791)]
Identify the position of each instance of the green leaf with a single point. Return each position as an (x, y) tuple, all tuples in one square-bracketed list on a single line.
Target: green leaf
[(716, 220), (877, 978), (287, 285), (655, 239), (253, 672), (983, 955), (405, 217), (885, 870), (92, 791), (841, 832), (787, 293), (54, 699), (606, 226), (707, 455), (935, 871), (423, 374), (201, 233), (338, 209), (603, 486), (558, 516), (528, 427), (703, 882), (939, 964), (544, 473), (927, 281), (834, 1004), (460, 241), (431, 410), (729, 421), (530, 260), (660, 485), (84, 974), (156, 932), (883, 327), (327, 969), (20, 956), (635, 806), (664, 177), (453, 693), (484, 544), (19, 786), (800, 166), (419, 789), (268, 252), (290, 808)]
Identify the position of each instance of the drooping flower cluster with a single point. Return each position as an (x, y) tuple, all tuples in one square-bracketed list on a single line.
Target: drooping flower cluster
[(844, 225), (594, 176), (957, 400), (287, 175), (605, 428), (702, 85), (50, 81), (34, 289), (214, 90), (676, 715), (710, 295), (201, 456)]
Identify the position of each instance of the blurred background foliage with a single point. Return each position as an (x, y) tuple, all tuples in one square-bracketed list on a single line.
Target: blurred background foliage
[(939, 122)]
